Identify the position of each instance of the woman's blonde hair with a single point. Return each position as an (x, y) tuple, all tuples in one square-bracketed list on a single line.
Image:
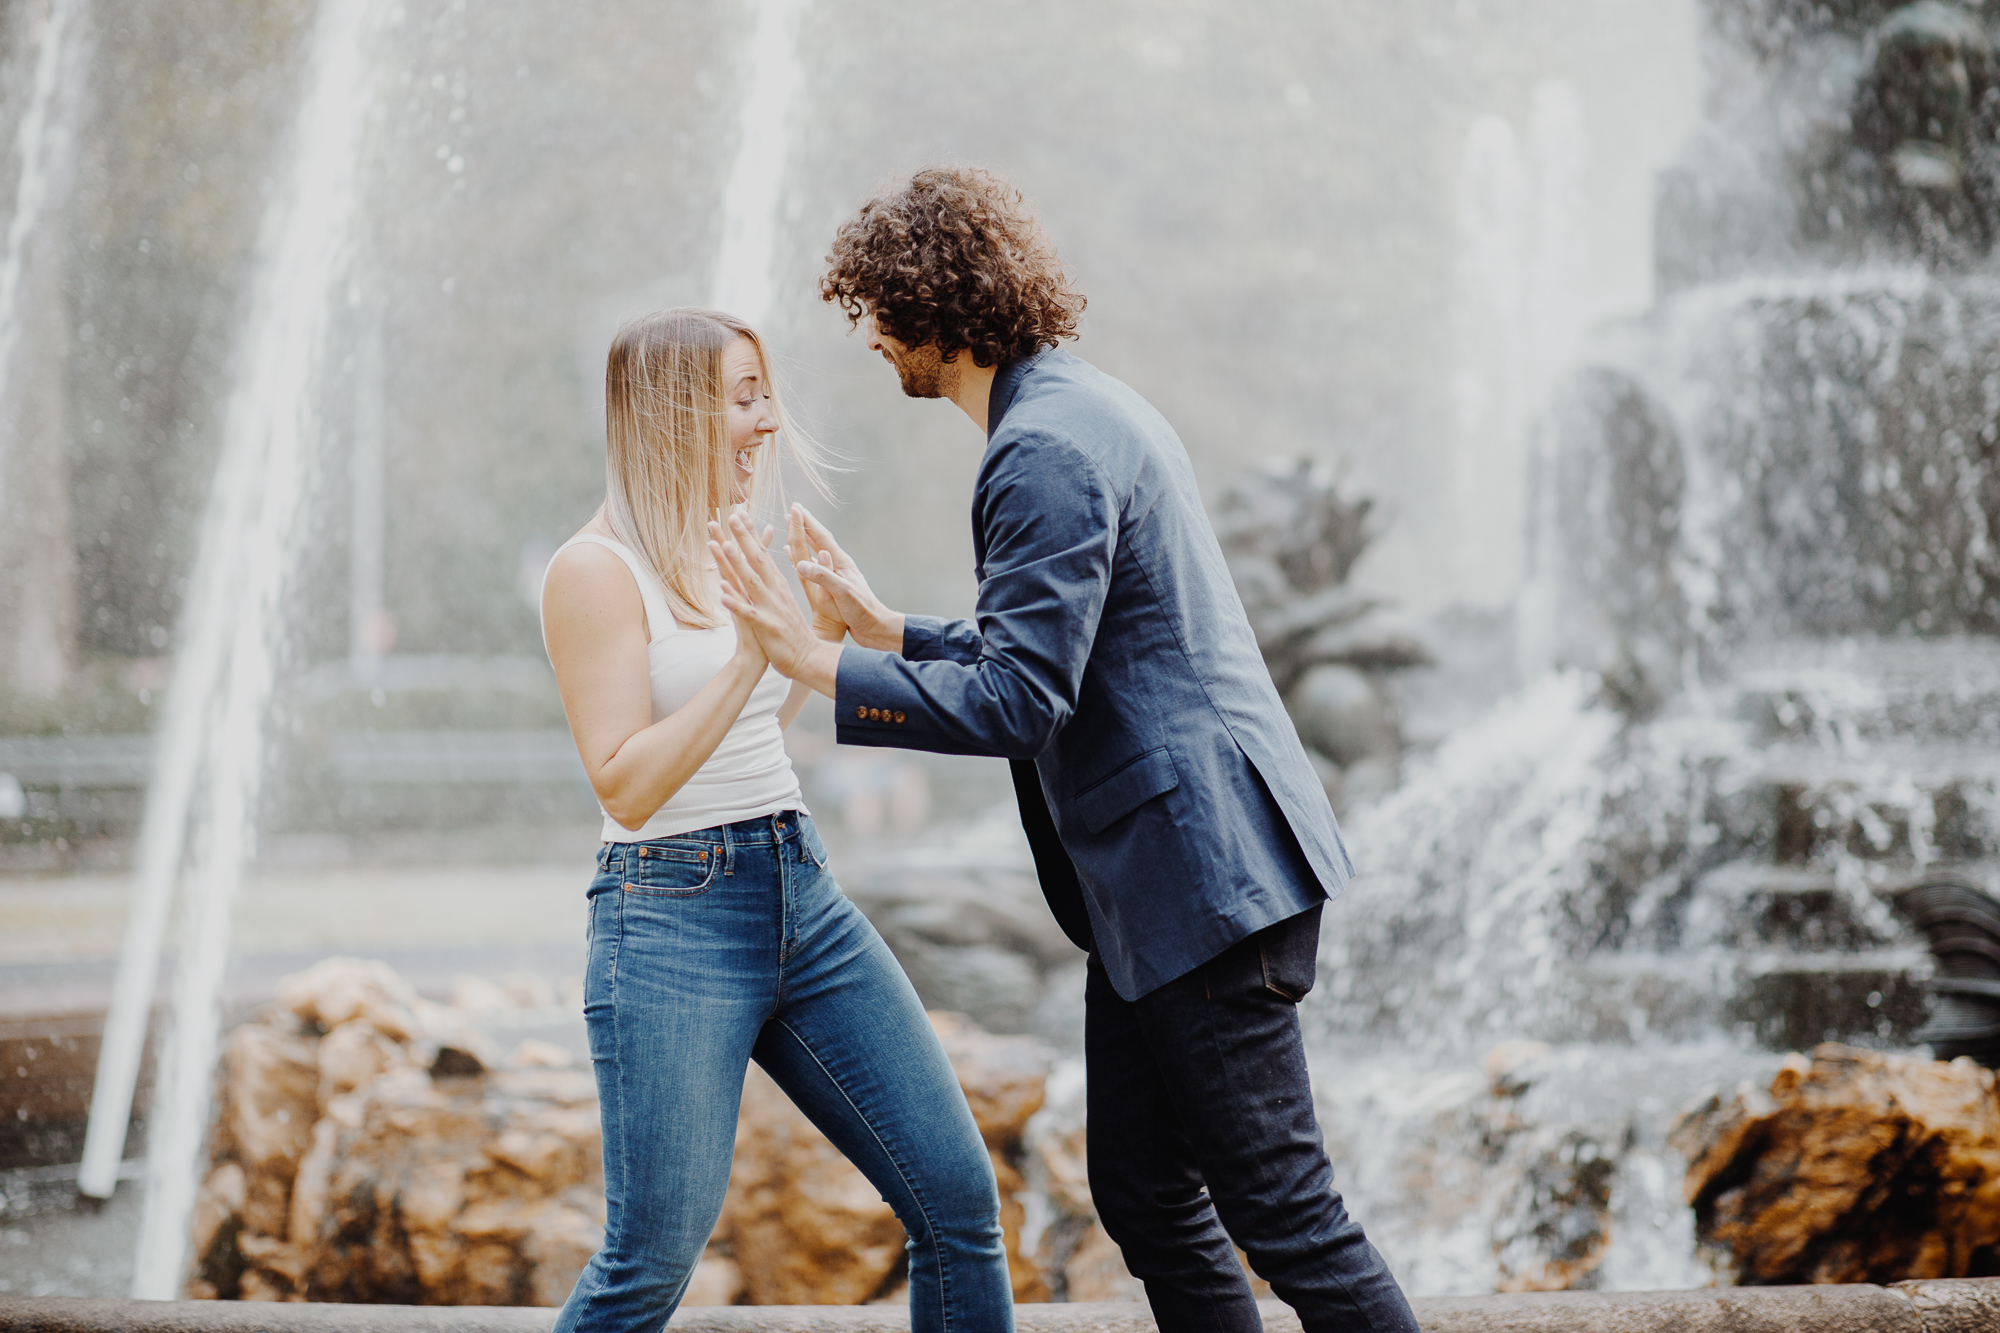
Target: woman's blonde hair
[(667, 458)]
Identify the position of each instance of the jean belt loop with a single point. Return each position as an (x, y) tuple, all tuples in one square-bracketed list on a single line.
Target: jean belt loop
[(728, 851)]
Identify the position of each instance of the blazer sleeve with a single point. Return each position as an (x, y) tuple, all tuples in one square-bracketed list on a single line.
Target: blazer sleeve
[(1051, 532), (929, 638)]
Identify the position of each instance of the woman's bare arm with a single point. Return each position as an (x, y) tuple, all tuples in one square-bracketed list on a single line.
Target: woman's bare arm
[(596, 627), (796, 700)]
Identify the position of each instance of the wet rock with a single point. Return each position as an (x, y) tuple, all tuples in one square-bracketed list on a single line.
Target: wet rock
[(347, 1165), (477, 1191), (408, 1163), (1340, 712), (805, 1226), (1552, 1226), (1518, 1173), (341, 990), (1853, 1167), (1094, 1270), (967, 921), (717, 1280), (264, 1126), (352, 1054), (1004, 1078)]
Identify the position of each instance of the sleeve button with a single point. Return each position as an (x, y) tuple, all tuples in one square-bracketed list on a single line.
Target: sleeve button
[(899, 717), (861, 715)]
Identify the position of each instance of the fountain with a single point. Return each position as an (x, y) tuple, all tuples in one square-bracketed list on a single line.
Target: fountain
[(36, 611), (213, 746), (1673, 856), (1764, 592), (744, 278)]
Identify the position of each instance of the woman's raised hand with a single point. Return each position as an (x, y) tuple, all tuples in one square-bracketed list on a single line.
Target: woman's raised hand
[(829, 573), (754, 592)]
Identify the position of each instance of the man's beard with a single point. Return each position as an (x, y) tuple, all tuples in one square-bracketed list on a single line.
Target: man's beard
[(926, 374)]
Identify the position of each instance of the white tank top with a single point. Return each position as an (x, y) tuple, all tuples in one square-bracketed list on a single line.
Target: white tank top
[(749, 775)]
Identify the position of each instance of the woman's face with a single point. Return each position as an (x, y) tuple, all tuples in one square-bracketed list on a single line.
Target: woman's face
[(752, 420)]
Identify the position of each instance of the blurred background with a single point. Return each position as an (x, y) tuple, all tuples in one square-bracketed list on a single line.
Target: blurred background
[(1484, 323)]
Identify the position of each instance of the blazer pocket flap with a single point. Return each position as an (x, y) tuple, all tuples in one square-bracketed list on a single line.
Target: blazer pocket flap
[(1118, 795)]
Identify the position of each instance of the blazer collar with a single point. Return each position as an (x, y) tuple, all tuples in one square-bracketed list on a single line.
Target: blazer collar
[(1006, 385)]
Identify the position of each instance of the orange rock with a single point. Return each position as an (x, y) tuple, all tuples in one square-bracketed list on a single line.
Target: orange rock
[(270, 1099), (717, 1280), (358, 1165), (218, 1219), (805, 1225), (343, 990), (1029, 1281), (1856, 1167), (559, 1243), (352, 1054), (1095, 1270), (449, 1192), (1004, 1078)]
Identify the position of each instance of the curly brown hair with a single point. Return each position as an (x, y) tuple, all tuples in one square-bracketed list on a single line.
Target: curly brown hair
[(954, 258)]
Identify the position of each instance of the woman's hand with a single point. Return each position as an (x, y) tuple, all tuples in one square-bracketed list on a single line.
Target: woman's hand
[(749, 648), (754, 591), (830, 574)]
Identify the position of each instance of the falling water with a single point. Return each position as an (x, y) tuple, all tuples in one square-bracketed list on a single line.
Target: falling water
[(1490, 320), (35, 649), (31, 149), (744, 271), (212, 742), (1519, 317)]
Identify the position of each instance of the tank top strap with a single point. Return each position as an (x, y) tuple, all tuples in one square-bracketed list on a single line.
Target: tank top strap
[(659, 619)]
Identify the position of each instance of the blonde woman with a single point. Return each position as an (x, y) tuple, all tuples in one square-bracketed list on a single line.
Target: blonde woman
[(716, 935)]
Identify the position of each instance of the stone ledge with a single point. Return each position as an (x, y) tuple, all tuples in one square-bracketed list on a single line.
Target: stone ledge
[(1965, 1306)]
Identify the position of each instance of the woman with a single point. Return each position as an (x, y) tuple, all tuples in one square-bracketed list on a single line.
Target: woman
[(716, 935)]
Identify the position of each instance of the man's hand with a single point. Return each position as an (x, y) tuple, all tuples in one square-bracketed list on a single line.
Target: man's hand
[(754, 591), (827, 622), (830, 574)]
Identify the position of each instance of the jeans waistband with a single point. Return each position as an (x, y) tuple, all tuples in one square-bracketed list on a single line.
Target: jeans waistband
[(763, 831)]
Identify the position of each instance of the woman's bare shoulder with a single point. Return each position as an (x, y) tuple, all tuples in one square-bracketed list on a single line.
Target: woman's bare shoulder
[(590, 581)]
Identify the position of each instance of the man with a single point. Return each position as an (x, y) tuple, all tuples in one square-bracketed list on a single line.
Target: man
[(1178, 828)]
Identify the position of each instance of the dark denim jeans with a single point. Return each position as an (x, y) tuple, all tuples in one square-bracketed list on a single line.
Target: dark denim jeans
[(1202, 1130), (709, 950)]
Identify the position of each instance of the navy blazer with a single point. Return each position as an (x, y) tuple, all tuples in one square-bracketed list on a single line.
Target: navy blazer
[(1110, 647)]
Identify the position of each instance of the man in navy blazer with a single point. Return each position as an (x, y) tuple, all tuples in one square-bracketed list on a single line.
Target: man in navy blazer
[(1180, 833)]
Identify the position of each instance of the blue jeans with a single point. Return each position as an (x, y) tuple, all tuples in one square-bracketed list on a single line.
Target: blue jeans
[(1201, 1130), (712, 949)]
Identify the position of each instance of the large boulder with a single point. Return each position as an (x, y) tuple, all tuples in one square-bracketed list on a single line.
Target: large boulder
[(804, 1225), (1854, 1167), (364, 1150), (373, 1146)]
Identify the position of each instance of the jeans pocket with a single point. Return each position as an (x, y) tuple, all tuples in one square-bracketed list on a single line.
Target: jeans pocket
[(672, 869), (810, 847), (1289, 954)]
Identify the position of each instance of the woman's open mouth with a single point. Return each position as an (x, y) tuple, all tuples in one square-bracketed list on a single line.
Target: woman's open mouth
[(743, 463)]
